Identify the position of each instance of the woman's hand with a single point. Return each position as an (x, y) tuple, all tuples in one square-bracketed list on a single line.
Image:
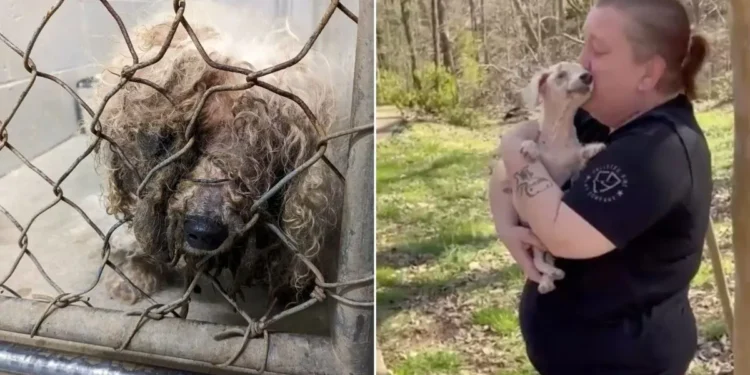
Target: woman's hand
[(519, 240)]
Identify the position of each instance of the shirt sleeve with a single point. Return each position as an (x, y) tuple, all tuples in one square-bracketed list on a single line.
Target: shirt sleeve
[(635, 181)]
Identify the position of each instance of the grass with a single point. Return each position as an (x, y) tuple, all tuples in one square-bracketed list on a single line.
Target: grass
[(447, 289), (428, 363), (713, 329), (502, 321)]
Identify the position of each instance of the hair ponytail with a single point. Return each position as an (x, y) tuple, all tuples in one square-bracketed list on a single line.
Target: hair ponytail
[(696, 55)]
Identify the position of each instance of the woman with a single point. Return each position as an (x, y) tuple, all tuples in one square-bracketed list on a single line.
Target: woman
[(629, 231)]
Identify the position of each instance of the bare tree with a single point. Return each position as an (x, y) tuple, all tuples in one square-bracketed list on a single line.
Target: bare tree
[(445, 41), (533, 38), (382, 45), (434, 23), (696, 11), (405, 15), (516, 38), (473, 16), (559, 6), (484, 34), (387, 31)]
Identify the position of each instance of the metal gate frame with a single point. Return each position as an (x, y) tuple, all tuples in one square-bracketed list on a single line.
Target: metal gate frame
[(56, 346)]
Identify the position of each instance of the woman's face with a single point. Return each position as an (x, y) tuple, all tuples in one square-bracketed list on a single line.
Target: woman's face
[(608, 55)]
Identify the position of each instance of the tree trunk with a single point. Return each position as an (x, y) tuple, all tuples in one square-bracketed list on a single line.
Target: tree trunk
[(405, 14), (484, 33), (381, 55), (532, 37), (434, 23), (445, 42), (473, 16), (423, 12), (696, 11), (740, 23), (388, 37)]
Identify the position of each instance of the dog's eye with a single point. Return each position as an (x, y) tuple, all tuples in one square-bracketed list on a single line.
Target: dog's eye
[(154, 144), (562, 75)]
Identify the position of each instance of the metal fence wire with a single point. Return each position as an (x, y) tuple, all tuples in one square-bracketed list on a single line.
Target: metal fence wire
[(254, 328)]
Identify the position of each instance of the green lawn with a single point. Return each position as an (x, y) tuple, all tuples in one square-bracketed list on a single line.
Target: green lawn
[(447, 289)]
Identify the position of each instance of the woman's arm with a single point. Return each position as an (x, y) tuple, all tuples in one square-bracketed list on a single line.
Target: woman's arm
[(619, 195), (539, 200), (504, 215), (517, 239)]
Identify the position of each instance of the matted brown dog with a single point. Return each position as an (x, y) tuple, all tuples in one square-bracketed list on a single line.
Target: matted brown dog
[(245, 141)]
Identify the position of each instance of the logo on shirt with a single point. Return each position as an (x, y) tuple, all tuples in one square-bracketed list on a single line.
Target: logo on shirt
[(606, 183)]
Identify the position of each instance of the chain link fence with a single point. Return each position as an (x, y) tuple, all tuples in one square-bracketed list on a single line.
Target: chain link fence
[(54, 322)]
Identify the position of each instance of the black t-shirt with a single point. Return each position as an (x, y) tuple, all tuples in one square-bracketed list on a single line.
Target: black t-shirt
[(649, 193)]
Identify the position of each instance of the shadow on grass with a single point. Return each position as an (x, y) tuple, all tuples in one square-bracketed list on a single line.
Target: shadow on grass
[(391, 172), (422, 252), (393, 125), (396, 295)]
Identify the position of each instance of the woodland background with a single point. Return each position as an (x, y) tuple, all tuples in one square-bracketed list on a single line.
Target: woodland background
[(449, 74), (467, 60)]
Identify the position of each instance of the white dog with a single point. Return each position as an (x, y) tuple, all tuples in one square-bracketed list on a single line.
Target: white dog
[(560, 89)]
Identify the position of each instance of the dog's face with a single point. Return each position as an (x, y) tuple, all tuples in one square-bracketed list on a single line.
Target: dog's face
[(243, 143), (565, 85), (202, 198)]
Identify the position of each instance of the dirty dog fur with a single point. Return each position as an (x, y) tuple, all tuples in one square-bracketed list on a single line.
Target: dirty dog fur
[(560, 89), (245, 141)]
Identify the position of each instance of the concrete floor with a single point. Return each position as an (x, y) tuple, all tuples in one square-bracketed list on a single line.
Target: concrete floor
[(69, 250)]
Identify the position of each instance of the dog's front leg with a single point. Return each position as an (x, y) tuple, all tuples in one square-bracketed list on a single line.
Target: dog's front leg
[(544, 262), (530, 150), (546, 284), (556, 273), (590, 150)]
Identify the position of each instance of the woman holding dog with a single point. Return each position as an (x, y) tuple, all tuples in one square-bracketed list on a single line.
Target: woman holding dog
[(629, 231)]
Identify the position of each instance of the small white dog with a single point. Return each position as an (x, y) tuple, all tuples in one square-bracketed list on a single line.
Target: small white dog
[(560, 89)]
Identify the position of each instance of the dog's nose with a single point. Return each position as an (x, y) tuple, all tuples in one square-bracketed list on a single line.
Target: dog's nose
[(203, 233), (586, 78)]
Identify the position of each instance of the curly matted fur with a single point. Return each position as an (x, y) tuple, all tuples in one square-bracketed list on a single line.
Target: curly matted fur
[(249, 138)]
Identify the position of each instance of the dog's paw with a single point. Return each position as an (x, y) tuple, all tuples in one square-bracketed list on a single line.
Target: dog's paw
[(530, 150), (590, 150), (557, 274), (549, 267), (143, 273), (546, 285)]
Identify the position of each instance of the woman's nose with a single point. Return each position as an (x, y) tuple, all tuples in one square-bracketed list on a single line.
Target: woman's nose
[(584, 60)]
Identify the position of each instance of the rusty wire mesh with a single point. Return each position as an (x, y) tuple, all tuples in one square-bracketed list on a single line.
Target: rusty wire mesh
[(158, 311)]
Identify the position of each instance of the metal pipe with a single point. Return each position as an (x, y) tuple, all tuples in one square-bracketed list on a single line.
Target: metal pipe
[(170, 342), (352, 326), (23, 359)]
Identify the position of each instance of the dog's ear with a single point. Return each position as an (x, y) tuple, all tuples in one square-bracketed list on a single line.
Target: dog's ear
[(536, 87)]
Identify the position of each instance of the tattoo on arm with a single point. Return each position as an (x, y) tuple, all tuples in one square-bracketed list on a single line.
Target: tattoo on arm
[(529, 184)]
